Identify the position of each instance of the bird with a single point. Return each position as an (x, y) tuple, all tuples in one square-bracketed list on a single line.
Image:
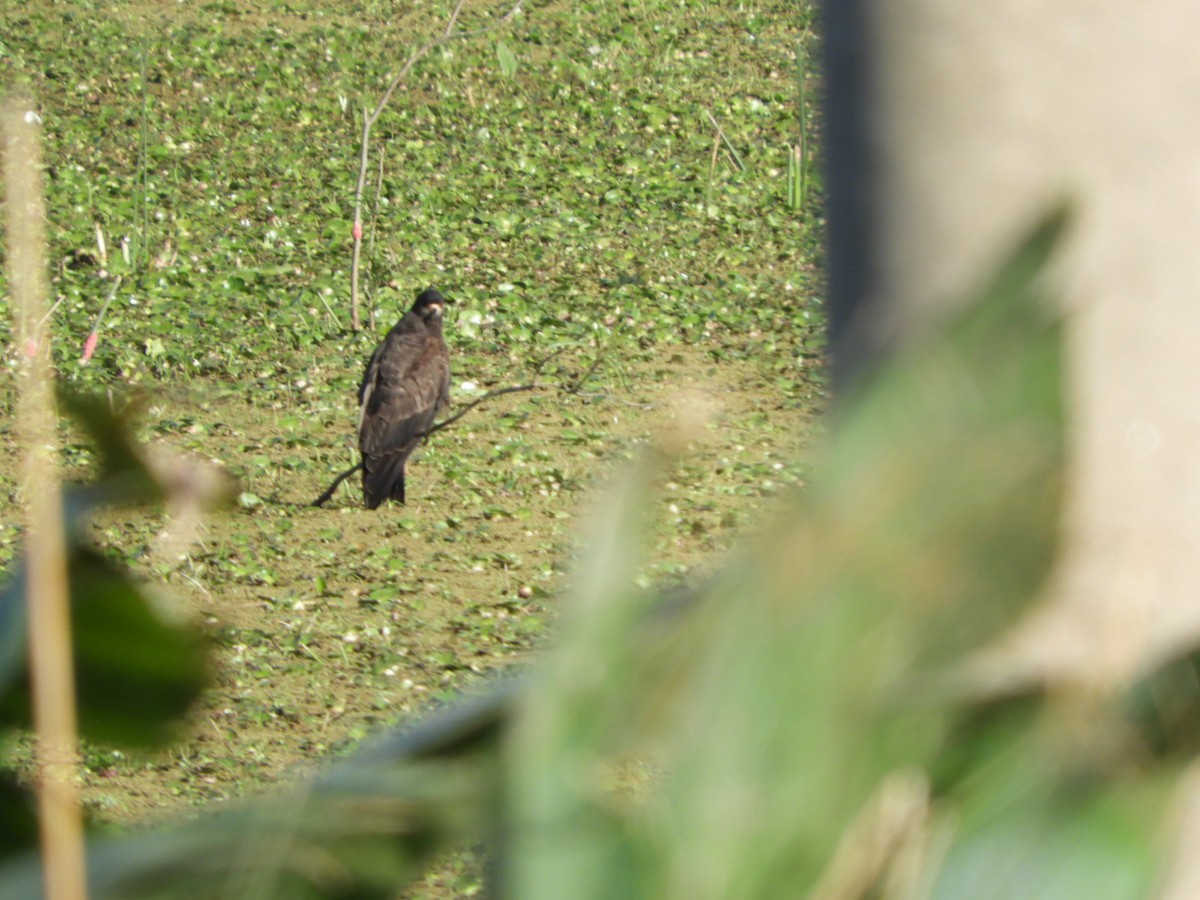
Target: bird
[(406, 384)]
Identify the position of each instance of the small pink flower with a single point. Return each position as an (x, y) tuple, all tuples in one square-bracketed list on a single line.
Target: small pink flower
[(357, 231), (89, 346), (31, 348)]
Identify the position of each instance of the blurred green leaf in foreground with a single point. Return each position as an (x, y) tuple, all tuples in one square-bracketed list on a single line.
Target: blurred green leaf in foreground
[(792, 727), (806, 739)]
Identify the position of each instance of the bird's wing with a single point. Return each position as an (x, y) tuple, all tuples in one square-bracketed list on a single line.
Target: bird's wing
[(441, 367), (406, 383), (367, 388)]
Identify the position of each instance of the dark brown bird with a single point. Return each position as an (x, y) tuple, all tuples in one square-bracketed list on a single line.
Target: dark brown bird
[(406, 384)]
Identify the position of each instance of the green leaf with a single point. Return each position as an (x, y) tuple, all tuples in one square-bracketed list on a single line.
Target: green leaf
[(564, 841), (507, 59), (1057, 840), (124, 474), (930, 523), (945, 473), (136, 674), (361, 831)]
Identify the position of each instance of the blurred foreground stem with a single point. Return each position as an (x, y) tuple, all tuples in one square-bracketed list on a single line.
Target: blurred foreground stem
[(51, 669)]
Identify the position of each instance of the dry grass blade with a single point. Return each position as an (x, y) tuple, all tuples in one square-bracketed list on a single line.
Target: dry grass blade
[(47, 600)]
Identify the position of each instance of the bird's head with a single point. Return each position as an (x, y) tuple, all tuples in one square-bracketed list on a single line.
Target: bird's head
[(429, 303)]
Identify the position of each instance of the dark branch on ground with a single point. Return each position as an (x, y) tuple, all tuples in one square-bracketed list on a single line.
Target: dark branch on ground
[(577, 386), (474, 403), (329, 491), (445, 423)]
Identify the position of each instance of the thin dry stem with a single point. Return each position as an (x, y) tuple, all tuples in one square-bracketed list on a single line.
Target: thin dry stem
[(363, 162), (369, 119), (725, 142), (51, 664), (712, 164), (453, 18)]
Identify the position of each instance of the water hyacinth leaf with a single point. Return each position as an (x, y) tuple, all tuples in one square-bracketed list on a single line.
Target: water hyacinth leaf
[(507, 60), (136, 674)]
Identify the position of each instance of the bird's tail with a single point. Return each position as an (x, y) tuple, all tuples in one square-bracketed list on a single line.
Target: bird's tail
[(383, 479)]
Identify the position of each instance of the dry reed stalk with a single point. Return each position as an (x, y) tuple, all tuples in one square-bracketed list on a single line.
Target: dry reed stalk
[(51, 664)]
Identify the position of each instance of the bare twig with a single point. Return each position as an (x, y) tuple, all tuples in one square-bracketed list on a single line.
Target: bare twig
[(498, 392), (375, 219), (576, 386), (356, 254), (537, 370), (453, 18), (337, 482), (601, 356), (142, 257), (800, 153), (712, 165), (50, 658), (93, 338), (370, 117), (445, 423), (729, 148), (101, 247)]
